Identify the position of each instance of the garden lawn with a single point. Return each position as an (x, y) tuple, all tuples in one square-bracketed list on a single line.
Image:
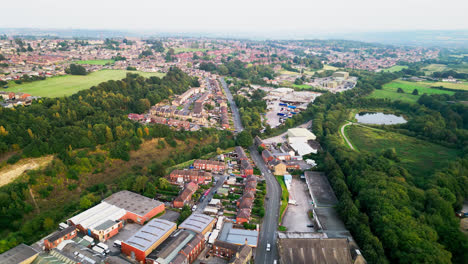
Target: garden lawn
[(69, 84), (418, 156)]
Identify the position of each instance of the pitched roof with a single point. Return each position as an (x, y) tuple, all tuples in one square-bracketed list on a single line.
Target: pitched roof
[(150, 233), (227, 245), (243, 213), (17, 254), (59, 234), (197, 222), (245, 203)]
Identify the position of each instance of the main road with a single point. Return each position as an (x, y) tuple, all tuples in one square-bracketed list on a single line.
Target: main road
[(268, 231), (235, 111)]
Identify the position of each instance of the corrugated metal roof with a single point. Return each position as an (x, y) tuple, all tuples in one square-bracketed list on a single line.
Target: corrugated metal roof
[(197, 222), (97, 215), (149, 234)]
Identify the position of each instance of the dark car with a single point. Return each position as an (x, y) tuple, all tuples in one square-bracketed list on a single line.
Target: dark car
[(310, 225)]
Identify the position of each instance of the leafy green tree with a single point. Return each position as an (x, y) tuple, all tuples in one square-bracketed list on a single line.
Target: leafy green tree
[(244, 139), (76, 70)]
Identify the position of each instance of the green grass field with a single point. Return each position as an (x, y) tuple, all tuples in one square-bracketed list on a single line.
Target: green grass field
[(69, 84), (180, 50), (419, 157), (434, 68), (395, 68), (462, 68), (96, 62), (389, 90)]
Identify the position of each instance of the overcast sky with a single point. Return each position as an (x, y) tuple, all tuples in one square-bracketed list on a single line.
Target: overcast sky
[(289, 16)]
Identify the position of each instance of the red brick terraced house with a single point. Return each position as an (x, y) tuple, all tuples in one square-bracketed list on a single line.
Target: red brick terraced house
[(209, 165), (185, 176)]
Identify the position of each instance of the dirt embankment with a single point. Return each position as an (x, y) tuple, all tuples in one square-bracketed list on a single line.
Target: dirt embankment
[(11, 172)]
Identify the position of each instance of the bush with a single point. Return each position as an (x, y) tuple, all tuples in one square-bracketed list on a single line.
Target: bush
[(13, 159)]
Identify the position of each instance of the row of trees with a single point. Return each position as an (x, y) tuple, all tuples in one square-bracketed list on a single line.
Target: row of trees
[(394, 216)]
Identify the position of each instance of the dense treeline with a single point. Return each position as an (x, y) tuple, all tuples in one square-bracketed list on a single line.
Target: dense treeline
[(395, 217), (88, 118), (239, 69), (451, 73), (88, 130)]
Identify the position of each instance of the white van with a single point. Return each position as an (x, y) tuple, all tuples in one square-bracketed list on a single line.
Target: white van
[(117, 243), (104, 246), (268, 247), (89, 239), (99, 250)]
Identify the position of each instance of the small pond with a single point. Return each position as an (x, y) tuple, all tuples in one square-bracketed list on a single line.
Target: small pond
[(373, 118)]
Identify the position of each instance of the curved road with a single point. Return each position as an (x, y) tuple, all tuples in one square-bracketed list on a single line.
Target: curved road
[(344, 135), (268, 231)]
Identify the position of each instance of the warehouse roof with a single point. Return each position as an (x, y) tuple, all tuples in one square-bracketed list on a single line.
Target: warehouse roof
[(17, 254), (150, 233), (105, 225), (238, 236), (133, 202), (97, 215), (197, 222), (301, 132), (309, 251), (169, 249)]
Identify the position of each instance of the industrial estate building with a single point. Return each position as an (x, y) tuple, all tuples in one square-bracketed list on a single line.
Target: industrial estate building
[(21, 254), (147, 239), (199, 223), (106, 219)]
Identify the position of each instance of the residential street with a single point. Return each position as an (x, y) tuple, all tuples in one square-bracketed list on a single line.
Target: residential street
[(268, 230), (201, 206), (235, 112)]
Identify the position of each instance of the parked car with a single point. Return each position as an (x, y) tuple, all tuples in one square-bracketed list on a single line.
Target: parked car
[(310, 225), (268, 247)]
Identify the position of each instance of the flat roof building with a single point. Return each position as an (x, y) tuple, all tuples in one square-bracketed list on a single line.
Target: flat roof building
[(301, 132), (149, 237), (238, 236), (199, 223)]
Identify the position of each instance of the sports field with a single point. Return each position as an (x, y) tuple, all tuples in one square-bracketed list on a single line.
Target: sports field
[(389, 90), (395, 68), (95, 62), (418, 156), (69, 84)]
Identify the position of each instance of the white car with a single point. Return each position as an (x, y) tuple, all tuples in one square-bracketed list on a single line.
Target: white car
[(268, 248)]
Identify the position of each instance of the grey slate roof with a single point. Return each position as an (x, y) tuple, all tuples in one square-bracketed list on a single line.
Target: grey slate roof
[(17, 254)]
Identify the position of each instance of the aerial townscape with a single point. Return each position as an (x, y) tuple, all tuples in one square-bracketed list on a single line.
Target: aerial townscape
[(184, 133)]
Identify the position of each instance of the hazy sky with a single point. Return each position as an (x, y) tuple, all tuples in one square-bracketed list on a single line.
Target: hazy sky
[(286, 16)]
